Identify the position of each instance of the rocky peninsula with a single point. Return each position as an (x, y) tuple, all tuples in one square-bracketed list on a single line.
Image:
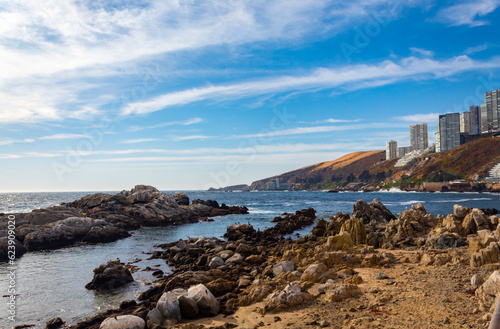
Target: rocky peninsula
[(369, 269), (102, 217)]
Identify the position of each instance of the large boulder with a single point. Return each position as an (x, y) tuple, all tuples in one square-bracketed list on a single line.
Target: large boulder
[(283, 267), (488, 291), (110, 275), (475, 221), (70, 230), (50, 215), (123, 322), (317, 273), (460, 211), (341, 292), (154, 318), (291, 296), (189, 307), (235, 259), (181, 198), (143, 194), (216, 262), (18, 250), (207, 303), (356, 230), (411, 224), (487, 255), (168, 305), (341, 241), (374, 213)]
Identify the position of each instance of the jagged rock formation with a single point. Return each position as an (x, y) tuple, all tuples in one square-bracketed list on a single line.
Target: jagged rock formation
[(110, 275), (102, 217)]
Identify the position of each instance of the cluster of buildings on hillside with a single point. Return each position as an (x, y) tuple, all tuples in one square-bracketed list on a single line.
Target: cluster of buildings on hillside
[(453, 130), (277, 185)]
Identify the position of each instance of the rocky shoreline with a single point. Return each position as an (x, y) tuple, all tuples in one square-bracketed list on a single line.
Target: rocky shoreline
[(102, 217), (364, 270)]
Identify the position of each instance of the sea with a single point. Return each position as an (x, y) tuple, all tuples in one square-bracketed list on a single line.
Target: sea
[(52, 283)]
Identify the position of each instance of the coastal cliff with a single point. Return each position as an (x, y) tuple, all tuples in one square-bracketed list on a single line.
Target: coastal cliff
[(461, 169)]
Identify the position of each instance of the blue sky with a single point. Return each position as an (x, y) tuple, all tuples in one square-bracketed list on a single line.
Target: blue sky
[(104, 95)]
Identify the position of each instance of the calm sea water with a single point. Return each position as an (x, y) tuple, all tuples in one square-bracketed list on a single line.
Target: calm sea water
[(52, 283)]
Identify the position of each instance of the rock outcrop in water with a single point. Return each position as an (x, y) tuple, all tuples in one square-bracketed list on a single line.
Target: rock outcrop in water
[(431, 262), (105, 217), (110, 275)]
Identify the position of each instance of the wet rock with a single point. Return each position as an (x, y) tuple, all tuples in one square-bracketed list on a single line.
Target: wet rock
[(127, 304), (54, 323), (239, 231), (168, 305), (189, 307), (373, 213), (320, 228), (181, 198), (283, 267), (70, 230), (208, 305), (123, 322), (317, 273), (110, 275), (4, 249)]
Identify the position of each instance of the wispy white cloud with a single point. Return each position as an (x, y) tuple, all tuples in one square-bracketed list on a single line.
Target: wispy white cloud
[(468, 12), (278, 148), (187, 122), (476, 49), (331, 120), (65, 136), (420, 51), (320, 129), (15, 141), (190, 137), (46, 44), (30, 155), (351, 77), (420, 118), (142, 140)]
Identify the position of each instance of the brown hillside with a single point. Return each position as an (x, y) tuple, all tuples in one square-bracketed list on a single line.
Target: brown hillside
[(474, 157), (321, 173)]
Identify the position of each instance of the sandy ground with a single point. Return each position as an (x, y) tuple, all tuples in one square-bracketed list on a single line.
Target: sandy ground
[(413, 296)]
